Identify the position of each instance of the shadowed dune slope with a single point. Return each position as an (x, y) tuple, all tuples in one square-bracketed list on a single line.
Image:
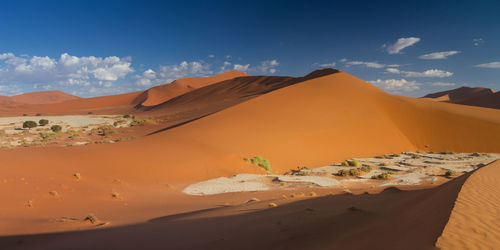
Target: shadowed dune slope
[(392, 219), (481, 97), (475, 219), (162, 93)]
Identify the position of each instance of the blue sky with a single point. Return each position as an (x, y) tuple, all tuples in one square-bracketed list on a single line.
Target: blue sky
[(93, 48)]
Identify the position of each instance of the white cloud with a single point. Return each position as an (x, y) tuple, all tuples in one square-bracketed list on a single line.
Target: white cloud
[(401, 44), (325, 65), (375, 65), (442, 84), (268, 66), (491, 65), (477, 41), (367, 64), (169, 73), (65, 70), (397, 85), (343, 60), (427, 73), (439, 55), (225, 66), (241, 67), (211, 56)]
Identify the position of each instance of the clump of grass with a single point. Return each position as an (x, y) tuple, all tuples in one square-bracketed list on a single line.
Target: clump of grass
[(45, 135), (246, 159), (91, 218), (353, 163), (382, 176), (261, 162), (351, 172), (450, 173), (272, 204), (77, 176), (126, 116), (383, 164), (116, 195), (54, 193), (300, 171), (365, 168), (344, 163)]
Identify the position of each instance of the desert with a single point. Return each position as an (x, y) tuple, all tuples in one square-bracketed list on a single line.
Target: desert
[(250, 125)]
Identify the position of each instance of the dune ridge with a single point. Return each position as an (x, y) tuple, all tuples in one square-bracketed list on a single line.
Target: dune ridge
[(481, 97)]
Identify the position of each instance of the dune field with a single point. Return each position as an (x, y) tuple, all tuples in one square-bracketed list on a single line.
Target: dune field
[(127, 189)]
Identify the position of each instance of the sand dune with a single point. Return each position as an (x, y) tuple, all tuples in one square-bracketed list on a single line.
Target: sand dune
[(481, 97), (162, 93), (474, 221), (311, 123), (42, 97)]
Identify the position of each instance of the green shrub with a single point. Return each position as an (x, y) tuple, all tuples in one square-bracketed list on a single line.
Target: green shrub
[(342, 172), (38, 114), (266, 165), (126, 116), (450, 173), (29, 124), (43, 122), (344, 163), (353, 163), (246, 160), (90, 112), (354, 172), (45, 135), (56, 128), (256, 160)]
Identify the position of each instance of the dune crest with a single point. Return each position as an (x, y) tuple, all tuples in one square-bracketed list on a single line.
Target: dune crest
[(481, 97)]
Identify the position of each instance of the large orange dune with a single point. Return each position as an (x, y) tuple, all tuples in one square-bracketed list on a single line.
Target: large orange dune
[(313, 122), (42, 97), (481, 97)]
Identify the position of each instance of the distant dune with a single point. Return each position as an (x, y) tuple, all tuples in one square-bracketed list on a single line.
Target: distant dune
[(481, 97), (42, 97)]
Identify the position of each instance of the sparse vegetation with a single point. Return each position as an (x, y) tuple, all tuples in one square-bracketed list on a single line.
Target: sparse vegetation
[(446, 153), (91, 218), (353, 163), (344, 163), (450, 173), (45, 136), (43, 122), (56, 128), (300, 171), (263, 163), (38, 114), (382, 176), (29, 124), (77, 176), (126, 116), (365, 168)]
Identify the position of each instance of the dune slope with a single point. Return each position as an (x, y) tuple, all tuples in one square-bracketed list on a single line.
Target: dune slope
[(474, 221)]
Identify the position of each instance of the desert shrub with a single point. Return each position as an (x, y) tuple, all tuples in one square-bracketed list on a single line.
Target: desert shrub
[(126, 116), (450, 173), (353, 163), (25, 114), (300, 171), (56, 128), (382, 176), (382, 164), (354, 172), (263, 163), (91, 218), (45, 135), (29, 124), (344, 163), (43, 122), (446, 153), (246, 159), (342, 172), (90, 112), (365, 168), (38, 114)]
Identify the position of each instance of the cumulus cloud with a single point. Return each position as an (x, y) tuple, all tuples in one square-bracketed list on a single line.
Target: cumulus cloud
[(267, 66), (169, 73), (427, 73), (241, 67), (439, 55), (401, 44), (396, 84), (491, 65), (65, 70)]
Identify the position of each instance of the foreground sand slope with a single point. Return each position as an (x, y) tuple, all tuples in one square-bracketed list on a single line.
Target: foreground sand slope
[(475, 219)]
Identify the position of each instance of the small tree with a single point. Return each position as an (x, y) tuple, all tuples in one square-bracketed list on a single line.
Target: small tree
[(56, 128), (43, 122), (29, 124)]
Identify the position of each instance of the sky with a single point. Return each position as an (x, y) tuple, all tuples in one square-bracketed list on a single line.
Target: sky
[(94, 48)]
